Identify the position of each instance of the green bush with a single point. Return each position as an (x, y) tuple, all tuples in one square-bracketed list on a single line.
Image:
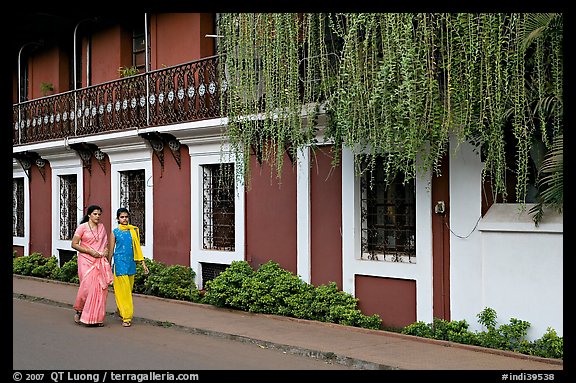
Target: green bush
[(68, 272), (509, 336), (35, 265), (227, 290), (549, 346), (273, 290), (175, 282), (154, 268)]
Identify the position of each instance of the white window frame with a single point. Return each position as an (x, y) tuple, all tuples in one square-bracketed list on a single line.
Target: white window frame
[(207, 152), (68, 164), (24, 242)]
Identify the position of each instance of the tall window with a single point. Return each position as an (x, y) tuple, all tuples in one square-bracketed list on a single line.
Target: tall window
[(388, 217), (18, 207), (139, 47), (24, 81), (218, 206), (68, 206), (132, 197)]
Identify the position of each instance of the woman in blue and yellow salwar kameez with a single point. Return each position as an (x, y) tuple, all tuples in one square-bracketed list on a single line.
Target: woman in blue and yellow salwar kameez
[(125, 242)]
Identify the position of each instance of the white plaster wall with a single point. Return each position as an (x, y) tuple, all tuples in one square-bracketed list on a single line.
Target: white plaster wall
[(465, 253), (504, 262), (522, 268)]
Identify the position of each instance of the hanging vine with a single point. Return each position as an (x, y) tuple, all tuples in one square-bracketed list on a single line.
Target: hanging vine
[(396, 86)]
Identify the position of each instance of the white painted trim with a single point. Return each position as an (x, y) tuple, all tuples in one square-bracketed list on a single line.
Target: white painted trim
[(303, 261), (64, 164), (18, 172), (135, 157), (205, 152), (350, 229)]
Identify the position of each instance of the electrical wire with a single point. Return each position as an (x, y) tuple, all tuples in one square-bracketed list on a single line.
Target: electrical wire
[(460, 236)]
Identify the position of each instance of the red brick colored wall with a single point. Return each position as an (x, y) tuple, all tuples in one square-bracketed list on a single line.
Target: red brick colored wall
[(326, 218), (271, 216), (393, 299)]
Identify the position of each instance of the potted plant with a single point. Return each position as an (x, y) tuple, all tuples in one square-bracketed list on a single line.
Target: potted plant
[(128, 71), (46, 88)]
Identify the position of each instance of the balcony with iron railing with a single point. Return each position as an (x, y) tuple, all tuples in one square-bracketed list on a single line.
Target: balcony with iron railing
[(177, 94)]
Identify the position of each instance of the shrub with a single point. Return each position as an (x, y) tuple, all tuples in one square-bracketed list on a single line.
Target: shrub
[(274, 290), (509, 336), (226, 290), (35, 265), (175, 282), (270, 288), (549, 346), (154, 268), (68, 272), (420, 329)]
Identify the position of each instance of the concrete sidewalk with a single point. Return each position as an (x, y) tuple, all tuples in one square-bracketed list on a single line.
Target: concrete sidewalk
[(352, 346)]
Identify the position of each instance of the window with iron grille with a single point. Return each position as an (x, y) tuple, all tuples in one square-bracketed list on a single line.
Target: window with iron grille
[(65, 256), (388, 217), (132, 197), (211, 271), (218, 206), (68, 206), (18, 207)]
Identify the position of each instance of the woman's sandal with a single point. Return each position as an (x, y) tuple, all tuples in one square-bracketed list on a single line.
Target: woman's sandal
[(127, 324), (77, 316)]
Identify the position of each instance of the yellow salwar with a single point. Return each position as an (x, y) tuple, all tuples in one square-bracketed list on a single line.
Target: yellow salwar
[(123, 285)]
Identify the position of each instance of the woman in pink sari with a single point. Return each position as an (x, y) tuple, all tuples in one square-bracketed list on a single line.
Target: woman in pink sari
[(91, 242)]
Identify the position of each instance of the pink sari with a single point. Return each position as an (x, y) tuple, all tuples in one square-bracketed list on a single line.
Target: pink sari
[(95, 275)]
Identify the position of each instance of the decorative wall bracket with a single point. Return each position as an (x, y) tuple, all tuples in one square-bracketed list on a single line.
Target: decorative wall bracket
[(86, 151), (28, 159), (158, 141)]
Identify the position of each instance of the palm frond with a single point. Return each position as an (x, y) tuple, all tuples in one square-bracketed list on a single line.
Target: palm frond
[(535, 24), (550, 181)]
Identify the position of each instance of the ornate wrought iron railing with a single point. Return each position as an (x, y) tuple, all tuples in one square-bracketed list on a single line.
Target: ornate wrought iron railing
[(182, 93)]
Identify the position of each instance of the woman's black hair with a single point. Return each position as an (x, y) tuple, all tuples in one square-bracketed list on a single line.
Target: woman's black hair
[(89, 211), (122, 210)]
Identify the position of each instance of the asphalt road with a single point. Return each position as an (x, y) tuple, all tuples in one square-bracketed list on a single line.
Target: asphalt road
[(45, 337)]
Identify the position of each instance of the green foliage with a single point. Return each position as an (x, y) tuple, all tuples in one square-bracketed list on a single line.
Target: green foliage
[(35, 265), (175, 282), (549, 346), (46, 88), (273, 290), (487, 318), (226, 290), (419, 328), (68, 272), (395, 85), (140, 277), (128, 71), (270, 289), (550, 181), (506, 337), (509, 336)]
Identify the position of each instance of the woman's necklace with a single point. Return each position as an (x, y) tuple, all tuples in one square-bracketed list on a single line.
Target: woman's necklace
[(96, 236)]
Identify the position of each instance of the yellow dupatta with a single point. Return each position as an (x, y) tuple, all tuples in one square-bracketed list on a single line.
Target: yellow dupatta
[(135, 240)]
